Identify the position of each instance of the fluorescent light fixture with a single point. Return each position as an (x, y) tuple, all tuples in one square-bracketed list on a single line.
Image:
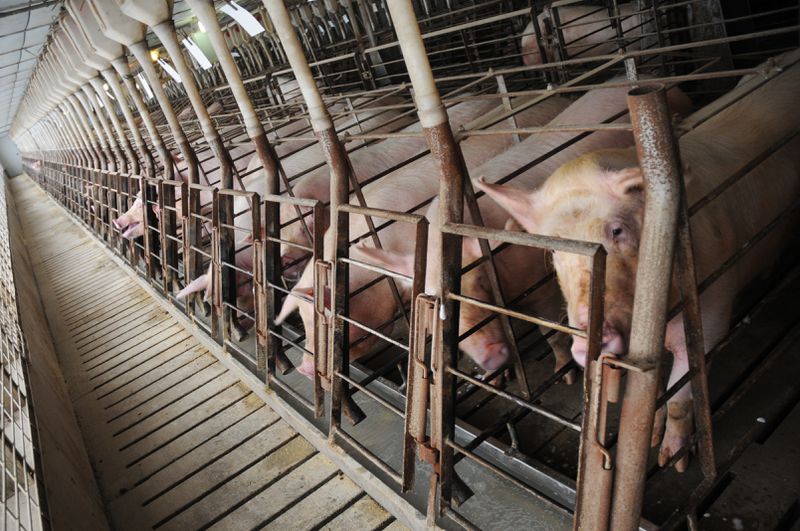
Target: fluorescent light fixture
[(200, 27), (197, 53), (97, 97), (243, 17), (148, 92), (169, 70)]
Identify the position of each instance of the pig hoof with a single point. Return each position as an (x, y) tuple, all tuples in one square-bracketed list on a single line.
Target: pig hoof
[(659, 424), (671, 446), (206, 308), (237, 331)]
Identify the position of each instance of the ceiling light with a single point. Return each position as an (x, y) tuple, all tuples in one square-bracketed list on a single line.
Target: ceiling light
[(169, 70), (243, 17), (197, 53)]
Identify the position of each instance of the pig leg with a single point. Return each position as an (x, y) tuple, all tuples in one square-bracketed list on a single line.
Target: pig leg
[(560, 343), (716, 307), (679, 417)]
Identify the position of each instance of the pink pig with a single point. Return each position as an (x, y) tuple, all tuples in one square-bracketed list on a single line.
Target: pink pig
[(598, 197)]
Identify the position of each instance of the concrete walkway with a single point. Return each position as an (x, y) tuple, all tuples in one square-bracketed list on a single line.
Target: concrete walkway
[(175, 439)]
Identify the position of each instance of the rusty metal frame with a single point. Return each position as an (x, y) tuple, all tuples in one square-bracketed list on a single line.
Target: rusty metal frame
[(414, 413)]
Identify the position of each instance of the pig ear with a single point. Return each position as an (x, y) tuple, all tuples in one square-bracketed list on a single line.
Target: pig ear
[(518, 203), (402, 263), (291, 303), (626, 182)]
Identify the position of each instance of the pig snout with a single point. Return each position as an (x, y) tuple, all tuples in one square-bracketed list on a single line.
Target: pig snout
[(121, 222), (306, 367), (493, 356), (612, 341)]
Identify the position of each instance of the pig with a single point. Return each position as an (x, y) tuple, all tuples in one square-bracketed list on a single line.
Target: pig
[(255, 181), (488, 347), (412, 185), (595, 106), (366, 163), (599, 197), (371, 307), (589, 35)]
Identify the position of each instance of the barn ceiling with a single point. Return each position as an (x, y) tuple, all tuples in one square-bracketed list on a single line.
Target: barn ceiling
[(24, 27)]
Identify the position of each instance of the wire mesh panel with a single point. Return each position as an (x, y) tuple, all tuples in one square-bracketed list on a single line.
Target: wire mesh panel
[(23, 508)]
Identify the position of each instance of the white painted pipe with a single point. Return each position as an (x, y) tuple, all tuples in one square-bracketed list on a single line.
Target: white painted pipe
[(320, 118)]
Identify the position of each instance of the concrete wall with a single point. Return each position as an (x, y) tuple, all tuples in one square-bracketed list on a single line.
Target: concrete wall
[(9, 157)]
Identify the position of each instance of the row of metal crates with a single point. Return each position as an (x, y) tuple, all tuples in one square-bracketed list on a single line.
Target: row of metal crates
[(468, 446)]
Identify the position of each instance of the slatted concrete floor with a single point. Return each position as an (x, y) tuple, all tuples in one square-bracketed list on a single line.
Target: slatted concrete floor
[(176, 441)]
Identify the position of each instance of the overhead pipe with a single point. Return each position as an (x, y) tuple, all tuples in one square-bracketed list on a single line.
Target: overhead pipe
[(141, 53), (58, 100), (321, 121), (57, 78), (118, 138), (97, 43), (111, 79), (101, 129), (339, 165), (165, 31), (130, 159), (86, 66), (105, 18), (76, 72), (120, 64), (204, 10), (88, 130), (58, 139), (64, 128), (79, 130), (446, 151)]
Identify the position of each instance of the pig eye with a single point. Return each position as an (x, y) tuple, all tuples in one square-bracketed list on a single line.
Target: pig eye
[(615, 231)]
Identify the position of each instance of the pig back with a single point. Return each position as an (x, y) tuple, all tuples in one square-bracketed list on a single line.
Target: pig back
[(717, 149), (418, 181)]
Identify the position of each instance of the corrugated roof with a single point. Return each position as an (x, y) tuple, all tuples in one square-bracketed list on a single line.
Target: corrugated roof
[(24, 27)]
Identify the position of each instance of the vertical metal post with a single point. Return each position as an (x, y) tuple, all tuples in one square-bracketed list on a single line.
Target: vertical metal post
[(269, 347), (659, 161), (595, 473), (336, 157), (447, 153), (120, 67), (129, 160)]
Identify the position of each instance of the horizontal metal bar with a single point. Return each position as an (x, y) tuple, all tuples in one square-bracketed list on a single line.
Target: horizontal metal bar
[(376, 269), (567, 423), (391, 407), (518, 315), (372, 331), (523, 238)]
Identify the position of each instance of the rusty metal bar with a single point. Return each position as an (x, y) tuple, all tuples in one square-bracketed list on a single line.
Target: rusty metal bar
[(660, 165), (446, 151)]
